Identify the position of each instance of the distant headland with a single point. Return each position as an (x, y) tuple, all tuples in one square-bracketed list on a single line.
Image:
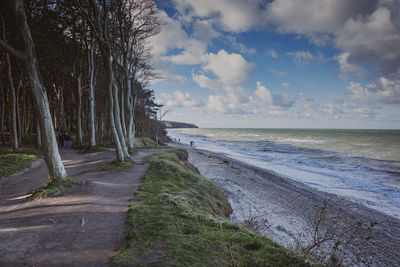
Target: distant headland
[(175, 124)]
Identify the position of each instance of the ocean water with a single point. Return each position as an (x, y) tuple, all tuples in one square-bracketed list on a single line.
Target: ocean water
[(361, 165)]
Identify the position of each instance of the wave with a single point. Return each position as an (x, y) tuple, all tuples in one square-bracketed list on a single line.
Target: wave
[(373, 182)]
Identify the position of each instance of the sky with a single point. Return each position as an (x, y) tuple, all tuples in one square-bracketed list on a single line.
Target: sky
[(279, 63)]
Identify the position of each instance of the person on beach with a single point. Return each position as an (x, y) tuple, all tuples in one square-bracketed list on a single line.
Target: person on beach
[(67, 138), (61, 139)]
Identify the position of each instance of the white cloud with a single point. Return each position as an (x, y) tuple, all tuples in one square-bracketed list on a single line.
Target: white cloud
[(230, 68), (367, 32), (216, 104), (277, 72), (205, 82), (371, 39), (171, 35), (303, 57), (204, 30), (232, 15), (303, 97), (264, 94), (286, 85), (348, 69), (383, 90), (179, 99), (283, 101), (272, 53), (241, 47), (274, 101), (332, 110), (365, 113), (193, 54), (234, 101), (314, 16)]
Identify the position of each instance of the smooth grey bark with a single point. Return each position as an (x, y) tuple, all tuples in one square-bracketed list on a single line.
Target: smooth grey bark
[(23, 116), (19, 124), (38, 137), (109, 79), (117, 117), (130, 104), (123, 112), (79, 110), (92, 131), (62, 120), (78, 106), (98, 21), (50, 149), (13, 104)]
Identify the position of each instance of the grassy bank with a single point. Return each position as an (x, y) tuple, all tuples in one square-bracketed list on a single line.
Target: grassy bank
[(181, 221), (145, 143), (12, 162), (52, 188)]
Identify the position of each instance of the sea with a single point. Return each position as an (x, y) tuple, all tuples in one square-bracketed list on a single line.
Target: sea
[(360, 165)]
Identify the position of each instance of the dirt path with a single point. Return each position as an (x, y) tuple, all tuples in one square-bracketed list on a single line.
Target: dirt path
[(81, 226)]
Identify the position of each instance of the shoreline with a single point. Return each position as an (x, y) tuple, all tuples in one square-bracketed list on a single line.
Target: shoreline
[(284, 209)]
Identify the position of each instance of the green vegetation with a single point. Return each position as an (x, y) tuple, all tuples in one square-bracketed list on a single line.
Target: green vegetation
[(145, 143), (11, 162), (182, 222), (118, 166), (52, 188)]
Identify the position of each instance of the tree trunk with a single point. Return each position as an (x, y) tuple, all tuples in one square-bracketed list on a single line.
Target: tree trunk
[(109, 80), (123, 111), (23, 116), (13, 106), (19, 127), (117, 117), (62, 121), (38, 137), (49, 143), (79, 110), (130, 104), (92, 132)]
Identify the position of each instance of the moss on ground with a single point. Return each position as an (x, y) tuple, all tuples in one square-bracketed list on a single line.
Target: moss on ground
[(52, 188), (182, 222), (118, 166), (145, 143), (12, 162)]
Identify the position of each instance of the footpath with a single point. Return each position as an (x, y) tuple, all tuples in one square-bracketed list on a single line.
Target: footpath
[(79, 226)]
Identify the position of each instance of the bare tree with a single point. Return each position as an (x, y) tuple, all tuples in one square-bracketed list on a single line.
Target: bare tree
[(27, 57), (134, 22), (91, 63), (97, 16)]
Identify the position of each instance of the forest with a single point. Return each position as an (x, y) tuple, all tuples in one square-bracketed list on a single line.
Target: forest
[(81, 67)]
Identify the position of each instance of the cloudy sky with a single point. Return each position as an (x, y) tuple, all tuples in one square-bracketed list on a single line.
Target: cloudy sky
[(279, 63)]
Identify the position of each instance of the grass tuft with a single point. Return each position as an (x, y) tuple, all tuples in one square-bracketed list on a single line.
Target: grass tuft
[(52, 188), (118, 166), (181, 221), (140, 143), (12, 162)]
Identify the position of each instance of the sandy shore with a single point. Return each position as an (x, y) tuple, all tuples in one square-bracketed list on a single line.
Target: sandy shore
[(285, 210)]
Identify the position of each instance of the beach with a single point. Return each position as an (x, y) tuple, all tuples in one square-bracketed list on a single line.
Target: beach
[(285, 209)]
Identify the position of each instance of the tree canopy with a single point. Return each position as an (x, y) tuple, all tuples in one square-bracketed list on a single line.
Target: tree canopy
[(81, 67)]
